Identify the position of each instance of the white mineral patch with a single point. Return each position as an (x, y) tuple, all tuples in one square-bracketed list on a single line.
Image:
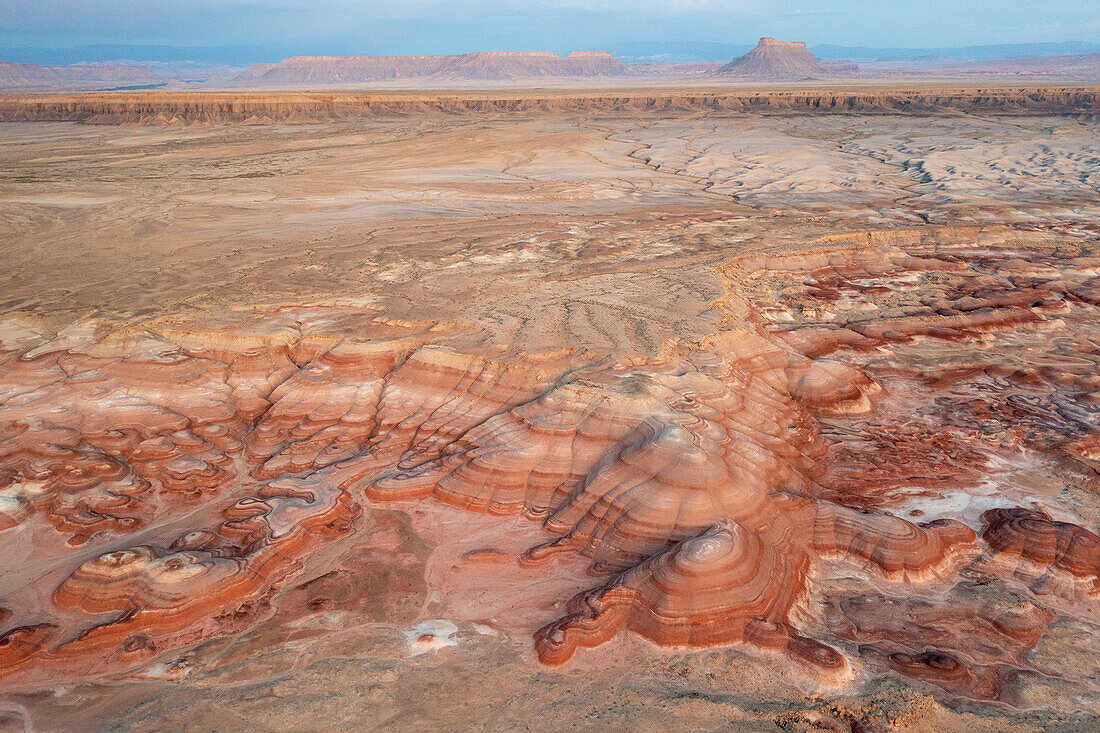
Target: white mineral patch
[(427, 636), (958, 505)]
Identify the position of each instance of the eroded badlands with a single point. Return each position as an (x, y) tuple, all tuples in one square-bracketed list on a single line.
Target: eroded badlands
[(699, 419)]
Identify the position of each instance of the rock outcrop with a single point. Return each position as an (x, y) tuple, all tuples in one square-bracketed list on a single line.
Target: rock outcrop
[(1053, 557), (774, 60), (152, 108)]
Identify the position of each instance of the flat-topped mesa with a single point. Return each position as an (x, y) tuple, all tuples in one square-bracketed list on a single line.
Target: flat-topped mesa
[(774, 60), (525, 65), (769, 41), (514, 55), (353, 59), (495, 65)]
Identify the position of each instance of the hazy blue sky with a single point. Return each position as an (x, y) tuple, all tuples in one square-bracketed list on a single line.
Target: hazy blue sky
[(449, 26)]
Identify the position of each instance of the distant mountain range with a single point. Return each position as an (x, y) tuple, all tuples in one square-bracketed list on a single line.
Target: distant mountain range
[(203, 55), (770, 61), (965, 53), (92, 76), (497, 66), (634, 52), (679, 52), (691, 52)]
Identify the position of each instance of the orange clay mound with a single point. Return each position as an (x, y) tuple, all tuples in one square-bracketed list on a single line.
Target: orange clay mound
[(834, 445), (1055, 557), (962, 642), (683, 597)]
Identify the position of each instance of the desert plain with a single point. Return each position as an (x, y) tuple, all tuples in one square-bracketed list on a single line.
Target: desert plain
[(599, 409)]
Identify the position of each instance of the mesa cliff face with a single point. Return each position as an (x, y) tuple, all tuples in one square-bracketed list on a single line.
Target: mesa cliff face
[(496, 66), (774, 60)]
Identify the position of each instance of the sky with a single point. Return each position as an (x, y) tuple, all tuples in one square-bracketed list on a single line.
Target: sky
[(275, 28)]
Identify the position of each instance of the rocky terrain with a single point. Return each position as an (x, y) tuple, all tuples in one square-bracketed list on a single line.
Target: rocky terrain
[(681, 411)]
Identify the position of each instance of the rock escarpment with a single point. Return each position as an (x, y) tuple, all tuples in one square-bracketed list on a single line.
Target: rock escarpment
[(152, 108)]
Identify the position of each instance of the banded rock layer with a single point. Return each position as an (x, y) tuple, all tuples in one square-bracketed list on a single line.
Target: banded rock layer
[(258, 107), (776, 61), (783, 483)]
